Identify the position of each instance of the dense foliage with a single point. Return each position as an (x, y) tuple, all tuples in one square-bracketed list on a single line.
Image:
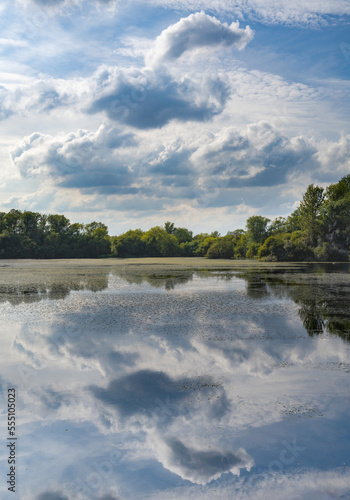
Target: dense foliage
[(319, 229), (33, 235)]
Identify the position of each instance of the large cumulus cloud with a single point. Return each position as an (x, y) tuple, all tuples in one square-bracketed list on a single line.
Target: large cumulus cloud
[(147, 99), (207, 166), (142, 97), (37, 96), (258, 155), (83, 159), (152, 96), (193, 32)]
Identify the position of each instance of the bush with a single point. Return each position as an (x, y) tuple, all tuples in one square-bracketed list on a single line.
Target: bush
[(240, 247), (221, 249), (188, 249), (252, 252), (129, 244), (204, 246), (297, 249), (273, 249), (285, 247), (327, 252)]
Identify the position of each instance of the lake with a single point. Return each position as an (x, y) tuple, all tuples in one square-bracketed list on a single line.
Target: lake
[(176, 379)]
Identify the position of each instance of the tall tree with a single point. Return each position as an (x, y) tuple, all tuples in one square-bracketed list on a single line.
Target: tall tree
[(340, 190), (311, 218), (278, 225), (169, 227), (182, 234), (58, 224), (13, 221), (257, 229), (337, 213), (29, 223)]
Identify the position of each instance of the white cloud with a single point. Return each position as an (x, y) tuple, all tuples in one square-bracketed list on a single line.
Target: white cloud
[(311, 485), (11, 42), (311, 13), (81, 159), (111, 161), (196, 31), (173, 164), (147, 176), (199, 465), (134, 47), (258, 154), (150, 99), (335, 156)]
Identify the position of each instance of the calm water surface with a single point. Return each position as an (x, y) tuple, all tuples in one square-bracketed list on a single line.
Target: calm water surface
[(146, 382)]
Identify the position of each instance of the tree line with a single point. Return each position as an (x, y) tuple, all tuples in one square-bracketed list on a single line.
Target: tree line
[(319, 229)]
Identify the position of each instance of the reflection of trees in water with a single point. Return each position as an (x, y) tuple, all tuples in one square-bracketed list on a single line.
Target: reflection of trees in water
[(169, 281), (322, 308), (339, 326), (318, 319), (255, 283), (55, 288), (172, 279), (158, 280), (312, 320)]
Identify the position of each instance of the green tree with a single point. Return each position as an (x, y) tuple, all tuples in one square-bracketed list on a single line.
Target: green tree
[(236, 232), (182, 234), (58, 224), (273, 249), (341, 189), (204, 246), (240, 246), (96, 228), (285, 247), (311, 219), (29, 223), (129, 244), (189, 248), (252, 251), (169, 227), (278, 225), (160, 243), (222, 248), (293, 221), (337, 218), (13, 221), (97, 239), (257, 229), (2, 221)]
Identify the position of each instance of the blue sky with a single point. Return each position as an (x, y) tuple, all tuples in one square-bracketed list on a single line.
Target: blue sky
[(203, 112)]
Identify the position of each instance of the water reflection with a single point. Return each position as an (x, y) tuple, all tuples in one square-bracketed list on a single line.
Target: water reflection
[(323, 302), (181, 384), (321, 308), (26, 287)]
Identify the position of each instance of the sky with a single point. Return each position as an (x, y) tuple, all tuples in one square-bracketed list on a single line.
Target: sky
[(203, 113)]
